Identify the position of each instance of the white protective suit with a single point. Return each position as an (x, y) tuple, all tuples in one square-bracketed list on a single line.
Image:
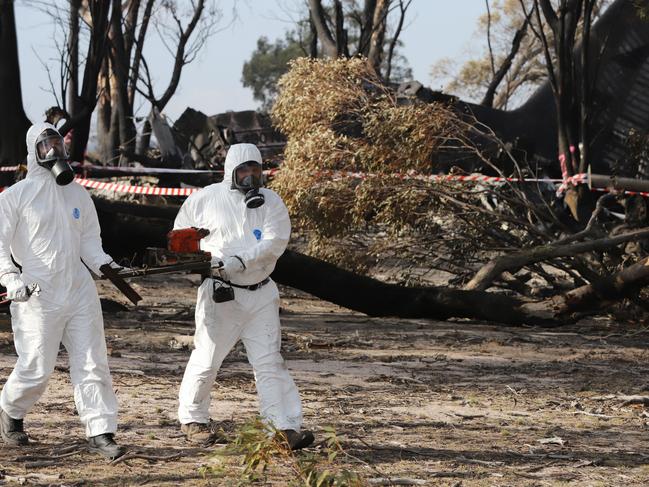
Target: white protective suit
[(50, 229), (259, 237)]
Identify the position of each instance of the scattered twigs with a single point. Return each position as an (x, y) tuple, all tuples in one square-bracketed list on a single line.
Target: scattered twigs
[(151, 458), (469, 416), (21, 479), (595, 415), (397, 481), (40, 464), (36, 458), (483, 463), (391, 448), (626, 400), (77, 446)]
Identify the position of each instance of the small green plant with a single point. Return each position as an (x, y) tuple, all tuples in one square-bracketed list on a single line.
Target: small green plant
[(263, 450)]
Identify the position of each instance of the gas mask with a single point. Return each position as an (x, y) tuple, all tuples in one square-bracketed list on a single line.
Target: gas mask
[(247, 178), (51, 154)]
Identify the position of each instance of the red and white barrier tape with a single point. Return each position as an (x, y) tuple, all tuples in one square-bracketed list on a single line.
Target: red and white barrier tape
[(152, 190), (620, 191), (143, 171), (157, 191), (127, 188), (478, 178), (130, 170)]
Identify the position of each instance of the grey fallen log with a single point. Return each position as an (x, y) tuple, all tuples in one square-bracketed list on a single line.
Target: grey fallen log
[(376, 298)]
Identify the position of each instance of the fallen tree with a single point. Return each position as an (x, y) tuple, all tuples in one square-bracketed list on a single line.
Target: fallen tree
[(376, 298), (147, 225)]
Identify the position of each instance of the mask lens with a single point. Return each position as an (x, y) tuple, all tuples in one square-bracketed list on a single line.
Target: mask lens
[(51, 148), (248, 173)]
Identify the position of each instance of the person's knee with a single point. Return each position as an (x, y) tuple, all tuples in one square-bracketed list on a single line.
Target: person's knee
[(270, 364), (203, 368), (35, 368), (89, 374)]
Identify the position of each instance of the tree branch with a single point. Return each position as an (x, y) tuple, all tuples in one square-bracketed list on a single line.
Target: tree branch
[(180, 60), (395, 38), (139, 47), (485, 276), (506, 64), (324, 34)]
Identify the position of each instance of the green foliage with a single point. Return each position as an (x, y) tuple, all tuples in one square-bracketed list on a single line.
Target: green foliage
[(262, 451), (267, 63)]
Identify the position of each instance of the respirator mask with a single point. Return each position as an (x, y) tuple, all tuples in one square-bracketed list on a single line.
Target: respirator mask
[(247, 178), (51, 154)]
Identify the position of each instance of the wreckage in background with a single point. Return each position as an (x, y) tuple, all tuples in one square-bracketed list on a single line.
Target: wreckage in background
[(206, 138)]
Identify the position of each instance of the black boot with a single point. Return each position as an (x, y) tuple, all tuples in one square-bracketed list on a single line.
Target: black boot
[(12, 430), (106, 446), (298, 439)]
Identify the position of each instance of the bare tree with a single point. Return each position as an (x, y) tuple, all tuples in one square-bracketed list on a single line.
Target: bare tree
[(370, 26), (95, 14), (13, 122), (505, 67), (512, 65), (403, 7), (113, 76), (184, 43), (568, 75)]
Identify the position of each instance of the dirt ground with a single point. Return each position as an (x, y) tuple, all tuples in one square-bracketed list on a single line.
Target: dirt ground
[(414, 402)]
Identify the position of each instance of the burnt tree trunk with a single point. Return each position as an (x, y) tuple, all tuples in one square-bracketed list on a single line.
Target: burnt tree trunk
[(370, 296), (119, 57), (326, 38), (13, 122), (86, 99), (73, 57), (377, 38), (376, 298), (107, 136), (570, 84)]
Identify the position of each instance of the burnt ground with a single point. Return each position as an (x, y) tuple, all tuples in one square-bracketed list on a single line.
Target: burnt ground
[(418, 401)]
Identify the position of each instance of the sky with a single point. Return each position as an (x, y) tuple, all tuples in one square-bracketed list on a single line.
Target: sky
[(435, 29)]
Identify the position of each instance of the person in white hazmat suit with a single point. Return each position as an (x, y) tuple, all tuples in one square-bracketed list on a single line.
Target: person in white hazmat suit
[(249, 229), (50, 228)]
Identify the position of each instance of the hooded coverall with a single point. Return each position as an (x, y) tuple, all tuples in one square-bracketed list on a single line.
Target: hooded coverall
[(259, 237), (49, 230)]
